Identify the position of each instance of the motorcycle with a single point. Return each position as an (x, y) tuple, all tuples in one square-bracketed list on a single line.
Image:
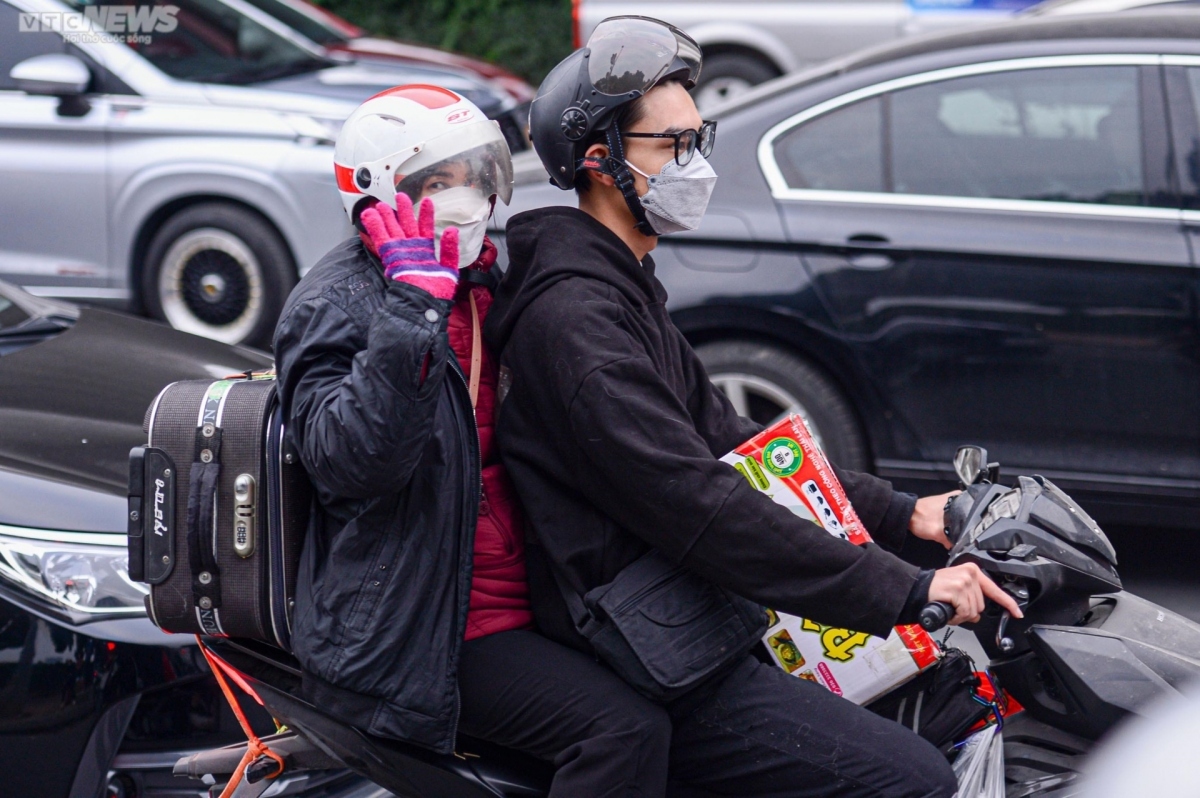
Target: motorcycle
[(1085, 655)]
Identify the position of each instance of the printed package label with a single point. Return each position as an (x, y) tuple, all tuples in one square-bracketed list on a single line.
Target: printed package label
[(784, 463)]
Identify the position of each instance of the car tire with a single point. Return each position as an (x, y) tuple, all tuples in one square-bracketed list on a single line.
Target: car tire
[(219, 271), (728, 74), (765, 383)]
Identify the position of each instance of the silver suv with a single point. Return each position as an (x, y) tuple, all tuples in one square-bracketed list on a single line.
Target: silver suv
[(175, 159)]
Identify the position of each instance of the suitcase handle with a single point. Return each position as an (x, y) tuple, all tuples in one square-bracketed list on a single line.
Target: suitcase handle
[(203, 480), (136, 566), (151, 515)]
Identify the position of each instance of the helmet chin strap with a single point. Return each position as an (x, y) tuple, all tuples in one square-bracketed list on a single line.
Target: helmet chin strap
[(614, 166)]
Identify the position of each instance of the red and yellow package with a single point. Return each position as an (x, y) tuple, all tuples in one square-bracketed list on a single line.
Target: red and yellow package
[(784, 463)]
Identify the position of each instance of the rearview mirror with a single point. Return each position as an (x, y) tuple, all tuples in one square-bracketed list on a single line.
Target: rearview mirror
[(55, 74), (969, 463)]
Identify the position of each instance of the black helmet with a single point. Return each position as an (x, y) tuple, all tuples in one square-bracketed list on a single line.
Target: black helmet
[(623, 59)]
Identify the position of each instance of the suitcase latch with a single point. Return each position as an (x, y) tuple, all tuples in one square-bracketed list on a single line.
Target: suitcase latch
[(243, 515)]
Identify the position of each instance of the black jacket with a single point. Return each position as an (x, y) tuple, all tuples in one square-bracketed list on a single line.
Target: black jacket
[(384, 585), (611, 432)]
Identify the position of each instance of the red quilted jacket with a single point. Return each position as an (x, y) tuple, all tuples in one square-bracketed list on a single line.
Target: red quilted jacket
[(499, 591)]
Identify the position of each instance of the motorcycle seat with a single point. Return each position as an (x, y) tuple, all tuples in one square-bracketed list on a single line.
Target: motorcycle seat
[(475, 769)]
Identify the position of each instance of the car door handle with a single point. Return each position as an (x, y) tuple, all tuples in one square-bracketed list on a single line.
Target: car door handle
[(868, 238), (869, 261)]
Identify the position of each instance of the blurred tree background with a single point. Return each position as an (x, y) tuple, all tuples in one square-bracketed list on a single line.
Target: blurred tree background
[(527, 37)]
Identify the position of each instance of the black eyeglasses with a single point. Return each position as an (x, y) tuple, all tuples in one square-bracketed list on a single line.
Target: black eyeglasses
[(686, 141)]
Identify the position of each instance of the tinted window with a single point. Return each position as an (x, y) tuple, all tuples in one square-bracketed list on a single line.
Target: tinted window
[(1189, 143), (1193, 74), (215, 43), (300, 22), (17, 45), (842, 150), (1070, 135)]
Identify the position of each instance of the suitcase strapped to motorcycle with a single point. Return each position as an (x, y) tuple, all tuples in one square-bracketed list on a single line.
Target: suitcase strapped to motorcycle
[(218, 508)]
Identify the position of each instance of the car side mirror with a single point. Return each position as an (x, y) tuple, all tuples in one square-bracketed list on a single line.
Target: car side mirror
[(969, 463), (56, 75)]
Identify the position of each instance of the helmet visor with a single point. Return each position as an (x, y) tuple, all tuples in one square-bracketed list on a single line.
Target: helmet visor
[(634, 53), (486, 168), (474, 153)]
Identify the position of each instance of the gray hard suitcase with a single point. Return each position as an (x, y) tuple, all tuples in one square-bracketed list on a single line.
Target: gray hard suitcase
[(218, 509)]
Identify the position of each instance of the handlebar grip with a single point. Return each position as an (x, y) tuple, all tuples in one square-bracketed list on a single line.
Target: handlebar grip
[(935, 615)]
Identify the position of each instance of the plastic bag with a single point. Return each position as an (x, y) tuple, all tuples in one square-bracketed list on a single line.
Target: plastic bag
[(979, 767)]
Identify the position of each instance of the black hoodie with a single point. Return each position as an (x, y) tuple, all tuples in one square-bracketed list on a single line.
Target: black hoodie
[(612, 432)]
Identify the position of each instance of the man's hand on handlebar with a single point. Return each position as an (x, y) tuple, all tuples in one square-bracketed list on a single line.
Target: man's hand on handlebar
[(966, 588), (928, 520)]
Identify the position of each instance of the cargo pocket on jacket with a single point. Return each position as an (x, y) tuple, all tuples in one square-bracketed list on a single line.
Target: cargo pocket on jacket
[(689, 621)]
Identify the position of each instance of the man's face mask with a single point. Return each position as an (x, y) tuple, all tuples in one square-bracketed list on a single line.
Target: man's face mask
[(678, 195), (466, 208)]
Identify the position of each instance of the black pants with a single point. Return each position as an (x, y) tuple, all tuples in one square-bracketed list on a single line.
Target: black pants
[(761, 732), (756, 732), (521, 691)]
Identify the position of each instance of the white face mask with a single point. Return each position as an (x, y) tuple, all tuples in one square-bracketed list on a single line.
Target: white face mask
[(678, 195), (467, 209)]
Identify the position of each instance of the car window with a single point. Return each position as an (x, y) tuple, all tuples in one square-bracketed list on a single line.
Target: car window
[(1067, 135), (214, 43), (1191, 159), (300, 22), (1070, 134), (842, 150), (16, 44)]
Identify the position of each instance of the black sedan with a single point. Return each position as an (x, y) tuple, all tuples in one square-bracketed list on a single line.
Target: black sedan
[(94, 699), (988, 236)]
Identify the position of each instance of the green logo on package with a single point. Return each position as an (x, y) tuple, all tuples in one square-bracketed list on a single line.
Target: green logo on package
[(782, 457)]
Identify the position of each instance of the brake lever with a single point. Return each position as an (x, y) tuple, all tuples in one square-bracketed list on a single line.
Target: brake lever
[(1020, 594), (1003, 641)]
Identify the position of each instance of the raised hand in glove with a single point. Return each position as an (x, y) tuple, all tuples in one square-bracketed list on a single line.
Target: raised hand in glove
[(405, 245)]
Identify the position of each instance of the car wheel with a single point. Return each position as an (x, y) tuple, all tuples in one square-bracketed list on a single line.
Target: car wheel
[(219, 271), (728, 75), (765, 384)]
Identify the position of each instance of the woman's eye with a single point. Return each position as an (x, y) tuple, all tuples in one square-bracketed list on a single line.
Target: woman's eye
[(434, 186)]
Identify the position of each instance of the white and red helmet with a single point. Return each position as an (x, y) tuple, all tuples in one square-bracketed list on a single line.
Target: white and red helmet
[(396, 140)]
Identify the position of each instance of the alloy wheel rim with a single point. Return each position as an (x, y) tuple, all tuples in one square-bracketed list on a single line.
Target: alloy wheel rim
[(211, 285), (763, 401), (718, 90)]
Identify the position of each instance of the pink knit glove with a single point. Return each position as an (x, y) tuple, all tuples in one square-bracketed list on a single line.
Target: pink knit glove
[(405, 245)]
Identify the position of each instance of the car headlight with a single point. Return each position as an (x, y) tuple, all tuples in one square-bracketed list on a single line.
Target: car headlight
[(80, 571)]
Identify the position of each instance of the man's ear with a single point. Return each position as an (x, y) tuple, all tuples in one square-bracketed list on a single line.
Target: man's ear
[(599, 152)]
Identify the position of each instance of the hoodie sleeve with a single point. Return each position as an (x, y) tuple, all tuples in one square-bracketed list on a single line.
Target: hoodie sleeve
[(883, 511), (711, 411), (658, 477)]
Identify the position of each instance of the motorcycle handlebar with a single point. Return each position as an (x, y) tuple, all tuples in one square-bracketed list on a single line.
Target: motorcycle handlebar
[(935, 615)]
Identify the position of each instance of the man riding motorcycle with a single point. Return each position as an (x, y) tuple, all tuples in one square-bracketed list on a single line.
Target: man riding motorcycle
[(412, 615), (612, 432)]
